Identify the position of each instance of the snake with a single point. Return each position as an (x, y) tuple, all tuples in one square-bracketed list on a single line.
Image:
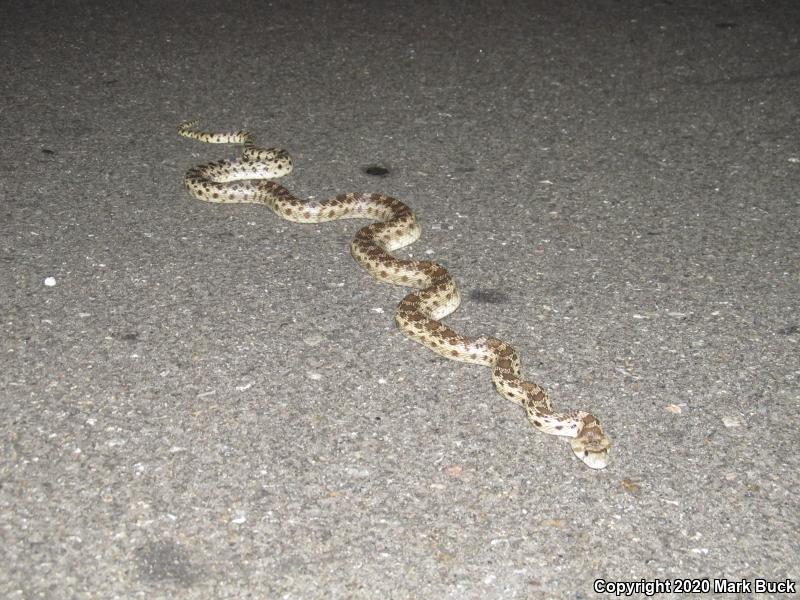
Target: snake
[(251, 179)]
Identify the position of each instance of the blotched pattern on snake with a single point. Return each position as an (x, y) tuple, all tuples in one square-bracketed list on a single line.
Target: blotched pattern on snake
[(249, 179)]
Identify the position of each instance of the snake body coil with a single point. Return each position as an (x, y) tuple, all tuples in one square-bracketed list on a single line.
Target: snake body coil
[(418, 315)]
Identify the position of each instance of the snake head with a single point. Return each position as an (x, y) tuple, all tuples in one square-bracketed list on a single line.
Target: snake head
[(591, 446)]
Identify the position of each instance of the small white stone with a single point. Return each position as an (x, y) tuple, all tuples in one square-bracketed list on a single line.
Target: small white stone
[(49, 281), (313, 339)]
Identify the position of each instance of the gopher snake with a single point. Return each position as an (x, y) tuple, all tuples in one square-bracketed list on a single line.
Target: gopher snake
[(418, 314)]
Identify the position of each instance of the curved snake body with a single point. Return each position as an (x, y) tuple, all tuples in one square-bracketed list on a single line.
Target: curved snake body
[(418, 314)]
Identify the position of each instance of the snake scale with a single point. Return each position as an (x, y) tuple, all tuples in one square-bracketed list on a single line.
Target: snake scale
[(419, 314)]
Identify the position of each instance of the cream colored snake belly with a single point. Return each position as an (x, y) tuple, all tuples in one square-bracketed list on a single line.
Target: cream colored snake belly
[(419, 314)]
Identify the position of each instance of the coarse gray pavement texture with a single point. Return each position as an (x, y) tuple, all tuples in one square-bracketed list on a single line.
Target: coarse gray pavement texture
[(212, 402)]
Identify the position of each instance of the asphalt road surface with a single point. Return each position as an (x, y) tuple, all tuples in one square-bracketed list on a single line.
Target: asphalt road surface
[(206, 401)]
